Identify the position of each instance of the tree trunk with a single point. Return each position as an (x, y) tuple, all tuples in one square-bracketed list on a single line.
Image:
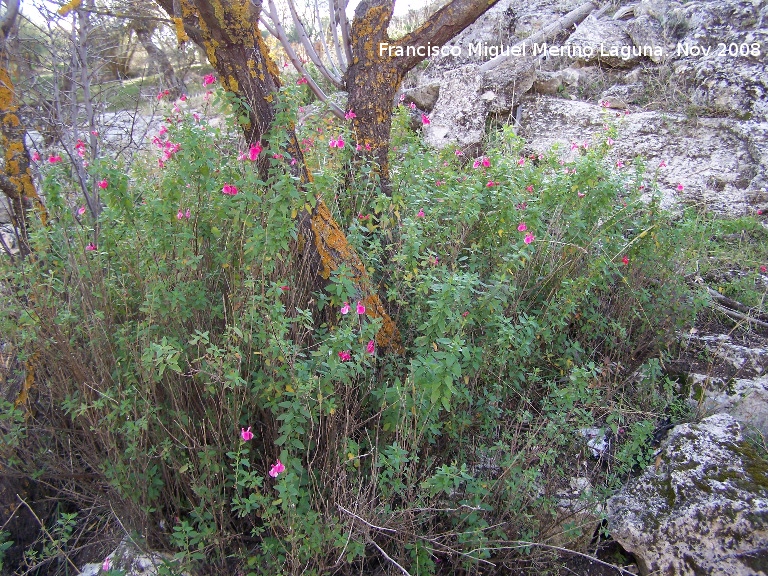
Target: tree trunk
[(16, 179), (228, 32), (161, 60), (379, 65)]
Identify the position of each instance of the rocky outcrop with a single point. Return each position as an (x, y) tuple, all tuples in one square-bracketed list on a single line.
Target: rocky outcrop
[(701, 509), (130, 560), (730, 377), (719, 162)]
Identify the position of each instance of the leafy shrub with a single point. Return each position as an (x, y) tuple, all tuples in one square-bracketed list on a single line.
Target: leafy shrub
[(245, 423)]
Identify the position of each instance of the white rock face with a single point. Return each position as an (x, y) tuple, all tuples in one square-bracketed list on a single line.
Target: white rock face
[(702, 509), (721, 163)]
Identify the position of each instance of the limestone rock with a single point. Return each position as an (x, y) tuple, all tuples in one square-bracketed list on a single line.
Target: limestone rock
[(5, 213), (701, 510), (424, 96), (601, 41), (128, 558), (721, 163), (646, 32)]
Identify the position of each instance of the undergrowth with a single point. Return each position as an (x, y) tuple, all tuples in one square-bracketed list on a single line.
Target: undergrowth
[(187, 385)]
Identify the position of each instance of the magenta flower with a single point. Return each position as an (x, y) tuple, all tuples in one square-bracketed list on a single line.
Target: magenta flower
[(619, 164), (420, 214), (574, 145), (183, 97), (345, 355), (662, 164), (580, 194), (412, 105), (402, 97), (522, 227), (54, 159), (179, 214), (609, 141), (349, 115), (425, 119), (254, 151), (103, 184), (106, 565), (458, 152), (360, 307), (285, 288), (490, 183), (345, 308), (91, 247), (371, 347), (229, 189), (35, 156), (521, 161), (679, 187), (465, 314), (81, 211), (246, 434), (763, 269), (302, 80), (486, 162), (209, 79), (276, 469), (528, 238), (529, 188), (625, 260)]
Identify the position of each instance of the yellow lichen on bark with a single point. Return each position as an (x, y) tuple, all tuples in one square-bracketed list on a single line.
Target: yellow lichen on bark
[(69, 6), (181, 34)]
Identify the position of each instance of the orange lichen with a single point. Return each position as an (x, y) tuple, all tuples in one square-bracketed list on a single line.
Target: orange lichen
[(69, 6), (181, 34)]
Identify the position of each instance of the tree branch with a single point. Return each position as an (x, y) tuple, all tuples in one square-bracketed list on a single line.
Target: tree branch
[(345, 34), (444, 25), (332, 9), (10, 17), (322, 38)]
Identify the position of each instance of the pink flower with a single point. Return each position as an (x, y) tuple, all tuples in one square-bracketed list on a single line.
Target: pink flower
[(81, 211), (371, 347), (580, 194), (490, 184), (763, 269), (420, 214), (625, 260), (476, 163), (412, 106), (162, 130), (35, 156), (662, 164), (465, 314), (360, 307), (229, 189), (349, 115), (254, 151), (302, 80), (336, 142), (759, 212), (209, 79), (522, 227), (609, 141), (91, 247), (187, 214), (54, 159), (574, 145), (425, 119), (486, 162), (285, 288), (159, 95), (246, 434), (528, 238), (679, 187), (103, 184), (183, 97), (179, 215), (94, 132), (345, 355), (458, 153), (619, 164), (363, 217), (106, 565), (276, 469), (402, 97), (585, 145), (521, 161), (529, 188), (345, 308)]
